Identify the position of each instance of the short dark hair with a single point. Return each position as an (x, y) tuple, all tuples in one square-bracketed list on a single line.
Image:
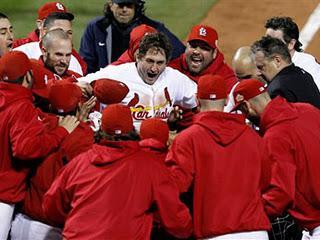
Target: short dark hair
[(289, 28), (139, 11), (48, 22), (2, 15), (271, 46), (155, 40)]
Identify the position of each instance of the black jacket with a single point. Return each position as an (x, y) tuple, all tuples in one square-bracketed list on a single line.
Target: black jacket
[(295, 85)]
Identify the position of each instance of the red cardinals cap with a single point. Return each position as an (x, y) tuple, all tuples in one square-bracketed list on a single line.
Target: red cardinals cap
[(204, 33), (52, 7), (116, 120), (64, 96), (13, 65), (40, 78), (212, 87), (247, 89), (109, 91), (137, 34), (155, 128)]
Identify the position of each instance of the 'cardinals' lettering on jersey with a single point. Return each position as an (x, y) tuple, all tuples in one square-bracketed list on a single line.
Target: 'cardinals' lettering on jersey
[(147, 101)]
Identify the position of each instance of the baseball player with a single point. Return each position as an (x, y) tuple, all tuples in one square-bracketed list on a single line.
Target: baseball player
[(202, 56), (292, 136), (109, 192), (221, 158), (61, 20), (30, 223), (24, 136), (285, 29), (154, 87), (6, 36)]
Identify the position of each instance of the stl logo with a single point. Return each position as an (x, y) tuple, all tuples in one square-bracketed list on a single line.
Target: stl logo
[(60, 6), (239, 98), (203, 32)]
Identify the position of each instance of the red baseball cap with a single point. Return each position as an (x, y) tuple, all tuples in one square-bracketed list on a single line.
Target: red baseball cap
[(53, 7), (204, 33), (116, 120), (155, 128), (64, 96), (137, 34), (212, 87), (247, 89), (109, 91), (13, 65)]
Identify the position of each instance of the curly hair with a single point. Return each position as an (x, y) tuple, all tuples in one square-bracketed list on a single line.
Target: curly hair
[(140, 9), (270, 46), (155, 40), (288, 27)]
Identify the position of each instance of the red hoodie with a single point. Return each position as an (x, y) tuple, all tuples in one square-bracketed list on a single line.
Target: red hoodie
[(292, 134), (23, 136), (80, 140), (221, 158), (217, 67), (108, 193)]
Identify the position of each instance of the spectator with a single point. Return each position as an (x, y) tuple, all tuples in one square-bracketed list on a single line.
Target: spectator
[(202, 57), (292, 136), (285, 29), (213, 152), (273, 60), (6, 35), (107, 37), (88, 189)]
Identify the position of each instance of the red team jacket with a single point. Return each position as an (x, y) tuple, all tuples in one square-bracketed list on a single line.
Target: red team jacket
[(80, 140), (217, 67), (292, 134), (107, 193), (22, 136), (221, 158)]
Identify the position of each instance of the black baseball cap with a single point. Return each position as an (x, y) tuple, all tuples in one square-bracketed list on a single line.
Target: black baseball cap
[(125, 1)]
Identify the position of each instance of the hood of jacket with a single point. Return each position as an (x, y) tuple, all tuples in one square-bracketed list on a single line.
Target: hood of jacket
[(225, 128), (108, 152), (153, 145), (278, 110), (10, 93)]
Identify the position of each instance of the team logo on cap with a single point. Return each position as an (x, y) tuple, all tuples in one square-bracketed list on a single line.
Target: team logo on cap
[(239, 98), (203, 32), (261, 89), (60, 6)]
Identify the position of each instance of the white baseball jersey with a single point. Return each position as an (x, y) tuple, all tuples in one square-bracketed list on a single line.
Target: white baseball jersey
[(32, 50), (147, 101), (309, 64)]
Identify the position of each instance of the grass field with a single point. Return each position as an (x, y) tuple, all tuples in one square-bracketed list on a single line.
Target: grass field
[(177, 15)]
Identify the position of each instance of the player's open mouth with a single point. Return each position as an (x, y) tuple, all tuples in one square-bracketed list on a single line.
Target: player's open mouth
[(152, 75)]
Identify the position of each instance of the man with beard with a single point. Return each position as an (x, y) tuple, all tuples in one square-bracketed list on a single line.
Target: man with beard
[(292, 136), (56, 20), (6, 34), (202, 57), (284, 79), (56, 54)]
